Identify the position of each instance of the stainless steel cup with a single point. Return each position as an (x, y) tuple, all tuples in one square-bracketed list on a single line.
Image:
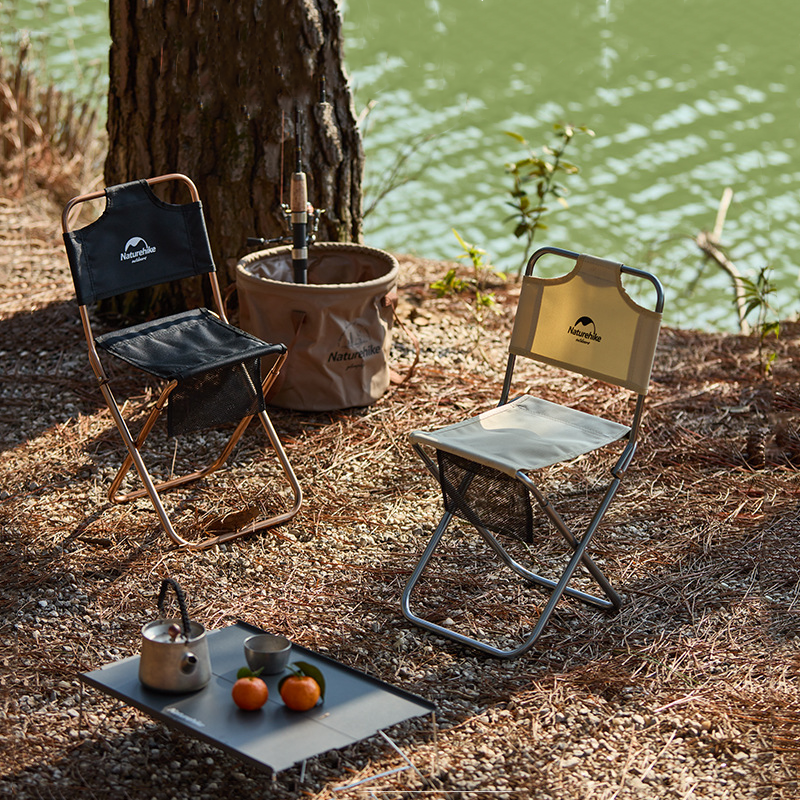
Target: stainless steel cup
[(267, 652)]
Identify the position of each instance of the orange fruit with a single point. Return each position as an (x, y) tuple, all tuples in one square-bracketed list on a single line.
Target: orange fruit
[(303, 687), (300, 692), (250, 693)]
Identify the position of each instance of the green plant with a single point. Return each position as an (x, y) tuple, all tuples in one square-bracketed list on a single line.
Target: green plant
[(757, 294), (542, 170), (450, 284)]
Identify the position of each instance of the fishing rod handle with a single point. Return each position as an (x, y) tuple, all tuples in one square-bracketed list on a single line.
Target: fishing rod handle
[(298, 196)]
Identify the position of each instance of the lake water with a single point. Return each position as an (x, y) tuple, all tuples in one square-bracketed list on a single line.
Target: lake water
[(686, 98)]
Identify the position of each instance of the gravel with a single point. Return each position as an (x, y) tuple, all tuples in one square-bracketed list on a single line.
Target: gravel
[(690, 691)]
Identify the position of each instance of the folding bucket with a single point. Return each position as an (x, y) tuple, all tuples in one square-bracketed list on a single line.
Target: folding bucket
[(338, 326)]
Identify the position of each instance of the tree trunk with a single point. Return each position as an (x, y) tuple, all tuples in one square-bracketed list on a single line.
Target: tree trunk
[(222, 90)]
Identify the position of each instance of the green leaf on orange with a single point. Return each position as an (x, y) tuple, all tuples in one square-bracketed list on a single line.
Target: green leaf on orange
[(246, 672), (303, 668)]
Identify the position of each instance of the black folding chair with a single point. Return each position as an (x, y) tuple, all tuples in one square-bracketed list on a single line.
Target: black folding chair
[(212, 370), (583, 322)]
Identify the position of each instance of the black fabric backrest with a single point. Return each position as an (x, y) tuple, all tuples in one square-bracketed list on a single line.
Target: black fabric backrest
[(138, 241)]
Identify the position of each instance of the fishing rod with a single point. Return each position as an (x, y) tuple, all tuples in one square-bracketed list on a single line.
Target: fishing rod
[(314, 215), (301, 219), (298, 201)]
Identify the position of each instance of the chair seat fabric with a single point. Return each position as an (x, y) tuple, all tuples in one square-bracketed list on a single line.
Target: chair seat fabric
[(526, 434), (184, 345), (217, 366)]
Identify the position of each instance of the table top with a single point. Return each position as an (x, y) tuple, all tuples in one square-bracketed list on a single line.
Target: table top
[(356, 705)]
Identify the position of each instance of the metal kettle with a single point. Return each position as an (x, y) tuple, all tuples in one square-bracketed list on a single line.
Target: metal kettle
[(174, 655)]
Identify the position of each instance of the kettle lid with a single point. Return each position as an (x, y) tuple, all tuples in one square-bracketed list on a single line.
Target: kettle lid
[(168, 631)]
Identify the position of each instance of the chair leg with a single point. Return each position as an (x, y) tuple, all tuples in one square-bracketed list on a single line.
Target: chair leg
[(614, 600), (150, 422), (557, 588), (152, 489), (135, 457), (172, 482), (547, 583), (449, 633)]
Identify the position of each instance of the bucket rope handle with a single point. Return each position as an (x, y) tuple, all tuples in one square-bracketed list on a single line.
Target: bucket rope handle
[(298, 318), (166, 584)]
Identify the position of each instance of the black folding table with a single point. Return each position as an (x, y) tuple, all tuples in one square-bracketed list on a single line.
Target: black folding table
[(355, 707)]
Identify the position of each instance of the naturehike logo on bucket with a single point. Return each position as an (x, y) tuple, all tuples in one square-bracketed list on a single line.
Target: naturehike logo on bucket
[(354, 345), (584, 330), (136, 249)]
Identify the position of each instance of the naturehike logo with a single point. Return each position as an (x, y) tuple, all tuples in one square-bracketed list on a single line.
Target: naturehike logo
[(185, 717), (136, 249), (584, 330), (355, 344)]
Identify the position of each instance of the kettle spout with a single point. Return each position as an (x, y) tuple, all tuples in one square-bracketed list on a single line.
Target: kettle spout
[(188, 663)]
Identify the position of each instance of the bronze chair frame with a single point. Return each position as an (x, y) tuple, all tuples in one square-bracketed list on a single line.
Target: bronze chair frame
[(134, 445)]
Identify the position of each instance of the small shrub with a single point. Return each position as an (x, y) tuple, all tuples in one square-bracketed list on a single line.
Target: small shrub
[(484, 301), (541, 171), (757, 294)]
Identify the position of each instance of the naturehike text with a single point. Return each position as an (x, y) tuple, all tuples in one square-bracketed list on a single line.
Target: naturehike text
[(145, 251), (585, 334), (371, 350)]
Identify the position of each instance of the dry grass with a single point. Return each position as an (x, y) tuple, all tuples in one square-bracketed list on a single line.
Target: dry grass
[(48, 138), (690, 691)]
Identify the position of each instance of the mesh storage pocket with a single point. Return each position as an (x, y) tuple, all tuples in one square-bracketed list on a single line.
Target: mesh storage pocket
[(482, 495), (214, 398)]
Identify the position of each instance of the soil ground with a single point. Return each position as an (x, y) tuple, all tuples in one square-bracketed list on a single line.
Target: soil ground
[(690, 691)]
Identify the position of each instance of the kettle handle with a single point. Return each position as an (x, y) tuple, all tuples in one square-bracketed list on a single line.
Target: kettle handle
[(165, 584)]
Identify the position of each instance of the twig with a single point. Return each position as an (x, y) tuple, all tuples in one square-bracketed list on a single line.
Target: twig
[(710, 245)]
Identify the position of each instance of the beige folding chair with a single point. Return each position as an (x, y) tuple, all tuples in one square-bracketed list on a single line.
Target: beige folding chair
[(583, 322), (211, 370)]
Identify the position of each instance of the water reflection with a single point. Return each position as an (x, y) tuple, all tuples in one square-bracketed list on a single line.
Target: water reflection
[(686, 98)]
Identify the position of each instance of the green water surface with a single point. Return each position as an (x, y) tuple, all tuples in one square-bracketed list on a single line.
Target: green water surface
[(686, 98)]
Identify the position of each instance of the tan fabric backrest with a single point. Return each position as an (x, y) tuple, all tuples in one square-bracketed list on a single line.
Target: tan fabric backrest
[(586, 322)]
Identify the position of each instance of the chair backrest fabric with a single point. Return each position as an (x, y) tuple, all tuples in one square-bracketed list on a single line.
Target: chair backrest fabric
[(138, 241), (586, 322)]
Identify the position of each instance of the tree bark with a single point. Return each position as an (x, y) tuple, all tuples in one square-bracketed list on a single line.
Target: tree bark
[(222, 91)]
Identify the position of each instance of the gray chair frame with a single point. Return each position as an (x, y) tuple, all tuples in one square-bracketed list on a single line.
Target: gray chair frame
[(578, 542)]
